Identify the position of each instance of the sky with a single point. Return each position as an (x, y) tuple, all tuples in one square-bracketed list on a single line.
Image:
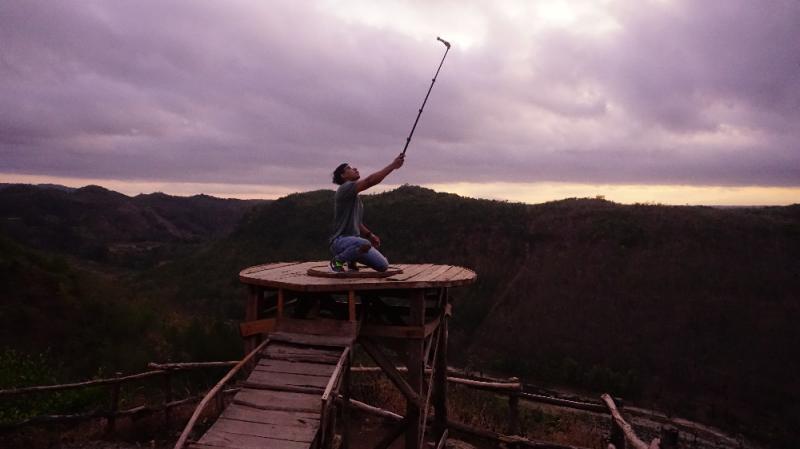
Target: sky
[(655, 101)]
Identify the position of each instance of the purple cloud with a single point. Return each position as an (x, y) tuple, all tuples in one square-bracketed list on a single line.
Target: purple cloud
[(247, 92)]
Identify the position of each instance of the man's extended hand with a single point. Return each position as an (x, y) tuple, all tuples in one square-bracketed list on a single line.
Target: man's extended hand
[(398, 161), (375, 240)]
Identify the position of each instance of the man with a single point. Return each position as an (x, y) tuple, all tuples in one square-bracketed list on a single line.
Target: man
[(352, 241)]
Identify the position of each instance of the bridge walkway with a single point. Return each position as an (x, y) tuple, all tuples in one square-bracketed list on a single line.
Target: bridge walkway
[(281, 404)]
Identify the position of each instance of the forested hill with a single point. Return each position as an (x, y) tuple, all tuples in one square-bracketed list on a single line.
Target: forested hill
[(108, 227), (693, 309)]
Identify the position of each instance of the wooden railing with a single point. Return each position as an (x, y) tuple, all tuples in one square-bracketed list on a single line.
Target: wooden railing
[(216, 394), (339, 378), (621, 435), (114, 385)]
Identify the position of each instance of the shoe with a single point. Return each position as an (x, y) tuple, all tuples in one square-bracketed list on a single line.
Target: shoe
[(336, 266), (352, 266)]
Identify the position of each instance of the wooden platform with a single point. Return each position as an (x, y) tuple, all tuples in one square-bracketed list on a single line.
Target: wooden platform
[(279, 405), (294, 276)]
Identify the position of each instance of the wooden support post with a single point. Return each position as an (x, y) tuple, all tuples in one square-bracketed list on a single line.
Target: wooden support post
[(346, 405), (440, 366), (389, 369), (167, 398), (251, 314), (416, 369), (351, 305), (114, 406), (280, 303)]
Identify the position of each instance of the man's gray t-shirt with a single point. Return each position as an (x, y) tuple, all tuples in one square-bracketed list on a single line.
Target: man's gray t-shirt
[(347, 211)]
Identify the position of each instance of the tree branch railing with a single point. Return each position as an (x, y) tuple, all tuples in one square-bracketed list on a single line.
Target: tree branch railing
[(214, 394), (621, 435), (113, 384)]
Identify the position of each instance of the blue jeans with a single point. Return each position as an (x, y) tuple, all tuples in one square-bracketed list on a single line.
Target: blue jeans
[(348, 249)]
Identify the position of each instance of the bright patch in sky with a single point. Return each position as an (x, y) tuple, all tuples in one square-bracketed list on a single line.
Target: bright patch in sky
[(531, 193)]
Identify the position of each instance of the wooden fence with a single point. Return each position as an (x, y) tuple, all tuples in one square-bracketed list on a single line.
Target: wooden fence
[(621, 434), (114, 385)]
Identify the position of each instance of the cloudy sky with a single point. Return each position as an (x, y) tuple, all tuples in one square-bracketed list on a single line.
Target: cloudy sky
[(666, 101)]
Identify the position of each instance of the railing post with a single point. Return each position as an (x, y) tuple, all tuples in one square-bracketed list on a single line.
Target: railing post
[(440, 368), (346, 404), (114, 406)]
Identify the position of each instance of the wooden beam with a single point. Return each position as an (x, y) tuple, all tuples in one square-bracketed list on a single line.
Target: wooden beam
[(88, 383), (280, 303), (404, 332), (416, 371), (440, 376), (335, 375), (388, 367), (351, 305), (250, 328), (190, 365)]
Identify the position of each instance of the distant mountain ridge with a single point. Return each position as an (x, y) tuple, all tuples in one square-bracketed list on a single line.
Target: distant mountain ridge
[(102, 225)]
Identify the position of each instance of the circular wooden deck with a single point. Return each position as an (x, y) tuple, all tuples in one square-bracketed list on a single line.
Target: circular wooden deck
[(294, 276)]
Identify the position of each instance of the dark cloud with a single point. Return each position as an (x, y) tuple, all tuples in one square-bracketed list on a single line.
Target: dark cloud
[(279, 93)]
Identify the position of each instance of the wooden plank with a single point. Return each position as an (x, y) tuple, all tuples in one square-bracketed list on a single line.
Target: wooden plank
[(312, 340), (288, 348), (461, 274), (250, 328), (268, 266), (412, 271), (283, 366), (318, 326), (278, 400), (294, 270), (297, 380), (301, 354), (436, 271), (445, 274), (383, 330), (276, 273), (232, 440), (278, 418), (296, 433)]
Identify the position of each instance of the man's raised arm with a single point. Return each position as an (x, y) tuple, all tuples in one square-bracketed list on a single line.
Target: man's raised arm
[(378, 176)]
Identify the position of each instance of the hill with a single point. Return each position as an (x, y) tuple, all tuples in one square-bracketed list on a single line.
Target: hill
[(104, 226), (691, 309)]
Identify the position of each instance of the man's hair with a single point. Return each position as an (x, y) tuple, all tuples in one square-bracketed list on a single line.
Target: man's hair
[(337, 174)]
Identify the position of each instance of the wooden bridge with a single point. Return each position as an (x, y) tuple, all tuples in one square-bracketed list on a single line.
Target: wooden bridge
[(299, 333)]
